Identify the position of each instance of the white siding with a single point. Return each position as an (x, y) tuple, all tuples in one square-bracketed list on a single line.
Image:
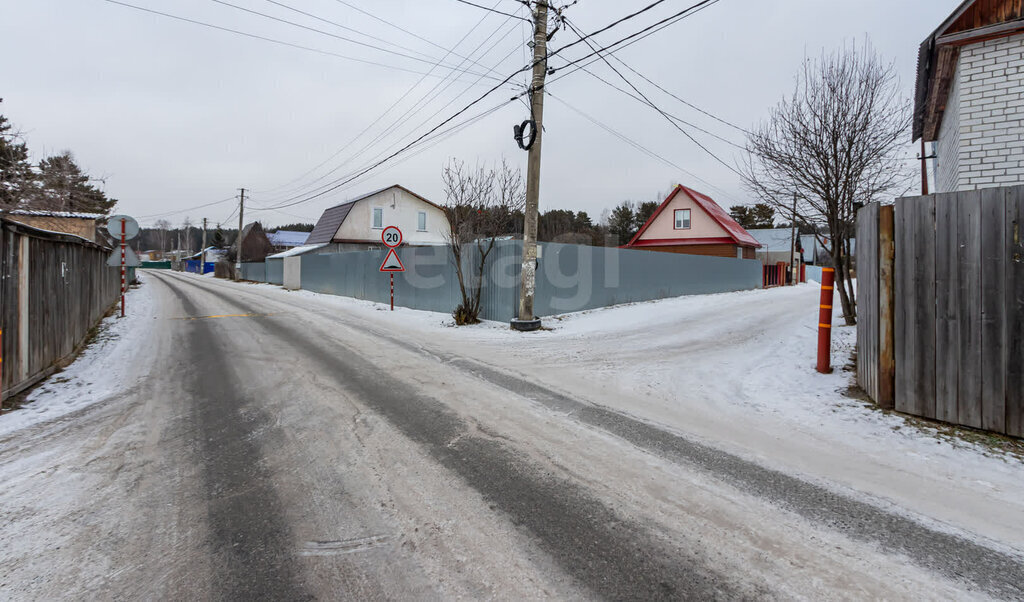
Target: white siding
[(947, 147), (991, 114), (400, 209)]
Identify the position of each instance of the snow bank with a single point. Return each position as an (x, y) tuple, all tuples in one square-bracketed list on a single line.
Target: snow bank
[(97, 374)]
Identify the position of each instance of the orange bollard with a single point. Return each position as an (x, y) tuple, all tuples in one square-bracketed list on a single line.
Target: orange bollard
[(828, 279)]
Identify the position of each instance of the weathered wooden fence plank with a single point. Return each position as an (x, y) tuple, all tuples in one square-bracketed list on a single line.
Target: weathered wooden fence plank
[(969, 307), (1014, 224), (947, 326), (867, 299), (886, 345), (924, 318), (993, 309), (906, 304)]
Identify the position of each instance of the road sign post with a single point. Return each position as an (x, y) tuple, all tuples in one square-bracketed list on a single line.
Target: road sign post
[(125, 228), (392, 237)]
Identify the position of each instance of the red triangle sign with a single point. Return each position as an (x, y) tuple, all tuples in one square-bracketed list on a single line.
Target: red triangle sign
[(392, 263)]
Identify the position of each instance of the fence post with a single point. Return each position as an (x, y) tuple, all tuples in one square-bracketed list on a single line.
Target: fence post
[(886, 308), (828, 276)]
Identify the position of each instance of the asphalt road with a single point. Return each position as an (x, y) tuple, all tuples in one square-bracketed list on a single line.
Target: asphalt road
[(282, 450)]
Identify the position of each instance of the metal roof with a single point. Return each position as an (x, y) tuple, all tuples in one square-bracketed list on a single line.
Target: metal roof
[(287, 238), (329, 223)]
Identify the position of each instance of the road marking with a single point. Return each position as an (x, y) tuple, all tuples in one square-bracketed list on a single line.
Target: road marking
[(224, 316)]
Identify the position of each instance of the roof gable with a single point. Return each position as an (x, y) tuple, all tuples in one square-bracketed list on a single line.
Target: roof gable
[(713, 210), (973, 21), (332, 219)]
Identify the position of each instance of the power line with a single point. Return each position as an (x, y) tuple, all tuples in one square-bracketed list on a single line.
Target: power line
[(660, 25), (347, 28), (326, 33), (479, 99), (492, 10), (409, 115), (386, 111), (164, 214), (658, 109), (264, 38), (639, 146)]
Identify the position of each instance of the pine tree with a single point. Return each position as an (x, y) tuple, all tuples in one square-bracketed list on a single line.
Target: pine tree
[(63, 186), (16, 177)]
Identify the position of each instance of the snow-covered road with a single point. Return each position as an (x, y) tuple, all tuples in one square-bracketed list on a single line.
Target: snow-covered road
[(272, 444)]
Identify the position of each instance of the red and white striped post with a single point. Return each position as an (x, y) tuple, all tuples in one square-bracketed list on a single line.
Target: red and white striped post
[(1, 370), (828, 279), (392, 274), (122, 265)]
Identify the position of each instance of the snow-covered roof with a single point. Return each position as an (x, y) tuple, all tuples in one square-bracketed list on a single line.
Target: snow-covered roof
[(287, 238), (58, 214), (296, 251), (772, 239)]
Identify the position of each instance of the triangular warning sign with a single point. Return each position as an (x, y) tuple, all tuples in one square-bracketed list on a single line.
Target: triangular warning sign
[(131, 260), (392, 263)]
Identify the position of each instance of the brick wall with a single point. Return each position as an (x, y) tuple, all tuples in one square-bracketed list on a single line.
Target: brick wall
[(991, 114), (947, 148)]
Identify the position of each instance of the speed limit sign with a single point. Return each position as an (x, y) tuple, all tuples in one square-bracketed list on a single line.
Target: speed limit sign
[(391, 236)]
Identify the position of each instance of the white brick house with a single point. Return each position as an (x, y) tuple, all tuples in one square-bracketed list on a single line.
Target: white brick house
[(970, 96)]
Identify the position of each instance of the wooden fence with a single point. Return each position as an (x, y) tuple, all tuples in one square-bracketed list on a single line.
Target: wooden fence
[(941, 307), (54, 288)]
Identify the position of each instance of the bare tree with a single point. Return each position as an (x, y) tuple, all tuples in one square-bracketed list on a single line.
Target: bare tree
[(481, 205), (163, 225), (832, 147)]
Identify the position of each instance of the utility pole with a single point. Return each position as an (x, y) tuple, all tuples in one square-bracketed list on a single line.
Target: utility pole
[(792, 245), (202, 252), (238, 239), (527, 321)]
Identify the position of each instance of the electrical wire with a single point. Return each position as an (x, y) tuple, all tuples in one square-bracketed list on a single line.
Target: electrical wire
[(337, 184), (264, 38), (188, 209), (409, 114), (639, 146), (347, 28), (329, 34), (491, 10), (648, 101)]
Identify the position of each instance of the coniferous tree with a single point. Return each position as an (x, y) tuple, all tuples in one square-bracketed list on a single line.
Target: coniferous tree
[(63, 186), (16, 176)]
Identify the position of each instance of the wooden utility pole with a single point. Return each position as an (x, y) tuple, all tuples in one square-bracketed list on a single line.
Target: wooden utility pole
[(924, 169), (527, 321), (792, 246), (202, 252), (238, 239)]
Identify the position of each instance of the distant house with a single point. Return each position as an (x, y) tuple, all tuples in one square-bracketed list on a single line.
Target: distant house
[(970, 96), (82, 225), (358, 224), (691, 223), (775, 243), (255, 244), (282, 240)]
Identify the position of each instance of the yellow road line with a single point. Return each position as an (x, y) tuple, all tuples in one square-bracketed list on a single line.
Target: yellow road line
[(224, 316)]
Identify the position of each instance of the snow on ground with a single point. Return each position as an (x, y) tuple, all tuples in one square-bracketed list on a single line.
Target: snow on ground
[(737, 370), (98, 373)]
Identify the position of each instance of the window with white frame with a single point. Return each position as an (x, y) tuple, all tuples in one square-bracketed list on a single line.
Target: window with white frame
[(421, 221), (378, 217), (682, 219)]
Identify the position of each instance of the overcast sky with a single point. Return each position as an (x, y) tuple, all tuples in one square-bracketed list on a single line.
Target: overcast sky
[(174, 115)]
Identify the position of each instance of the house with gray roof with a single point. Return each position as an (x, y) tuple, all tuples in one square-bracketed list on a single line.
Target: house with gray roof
[(358, 224)]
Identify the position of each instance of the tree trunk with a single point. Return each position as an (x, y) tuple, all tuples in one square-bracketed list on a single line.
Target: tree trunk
[(842, 277)]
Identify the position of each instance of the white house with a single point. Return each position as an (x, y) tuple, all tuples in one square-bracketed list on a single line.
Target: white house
[(359, 223), (970, 96)]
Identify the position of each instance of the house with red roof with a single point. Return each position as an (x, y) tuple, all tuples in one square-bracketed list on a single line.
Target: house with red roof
[(692, 223)]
